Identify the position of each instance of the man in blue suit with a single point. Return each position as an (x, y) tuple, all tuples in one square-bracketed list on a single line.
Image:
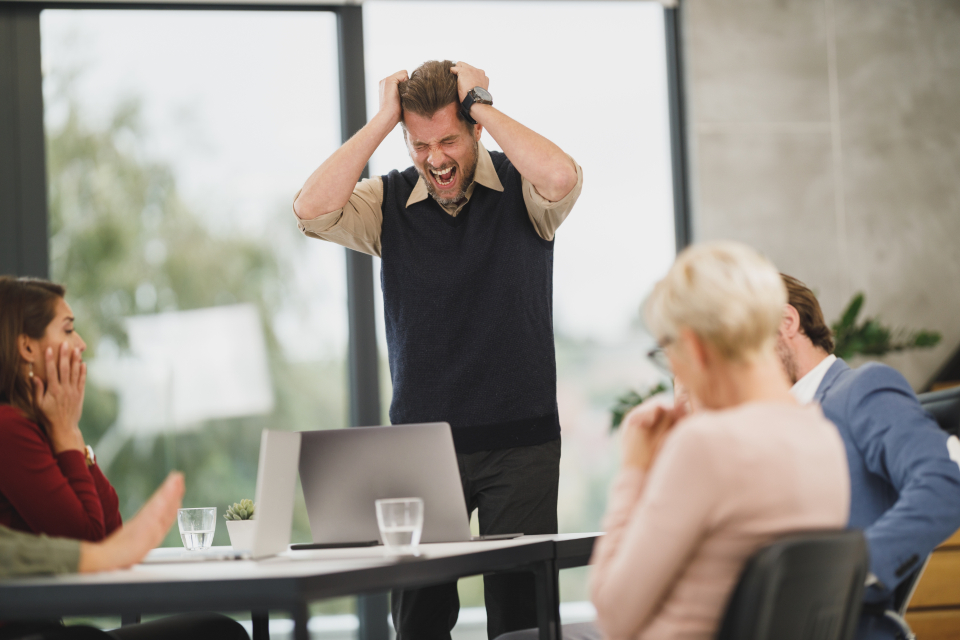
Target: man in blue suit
[(904, 470)]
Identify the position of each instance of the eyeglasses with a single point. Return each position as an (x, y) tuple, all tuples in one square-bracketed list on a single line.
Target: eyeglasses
[(659, 357)]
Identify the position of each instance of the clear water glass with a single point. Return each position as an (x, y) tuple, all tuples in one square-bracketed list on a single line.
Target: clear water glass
[(401, 523), (197, 527)]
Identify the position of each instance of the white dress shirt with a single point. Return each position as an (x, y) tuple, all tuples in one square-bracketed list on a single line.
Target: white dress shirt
[(806, 387)]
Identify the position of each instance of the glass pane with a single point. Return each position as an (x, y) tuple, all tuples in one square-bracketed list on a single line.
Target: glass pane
[(176, 143), (591, 77)]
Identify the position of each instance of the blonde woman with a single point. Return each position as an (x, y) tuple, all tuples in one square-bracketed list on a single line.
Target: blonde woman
[(698, 494)]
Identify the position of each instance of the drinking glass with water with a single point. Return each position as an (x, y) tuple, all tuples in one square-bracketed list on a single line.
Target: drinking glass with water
[(197, 527), (401, 523)]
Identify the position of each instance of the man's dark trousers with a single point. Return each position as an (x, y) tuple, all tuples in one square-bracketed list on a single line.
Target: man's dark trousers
[(514, 491)]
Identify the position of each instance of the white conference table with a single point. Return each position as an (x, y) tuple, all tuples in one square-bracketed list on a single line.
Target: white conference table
[(290, 581)]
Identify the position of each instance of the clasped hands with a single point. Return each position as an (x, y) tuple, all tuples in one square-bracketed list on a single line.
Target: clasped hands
[(645, 429), (60, 400), (468, 77)]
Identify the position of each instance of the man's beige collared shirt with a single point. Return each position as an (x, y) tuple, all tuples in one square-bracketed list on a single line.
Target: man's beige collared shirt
[(357, 226)]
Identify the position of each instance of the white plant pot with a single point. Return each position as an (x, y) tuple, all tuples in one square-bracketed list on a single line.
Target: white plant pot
[(241, 533)]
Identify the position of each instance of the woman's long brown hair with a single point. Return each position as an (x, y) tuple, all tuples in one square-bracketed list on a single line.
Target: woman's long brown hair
[(27, 306)]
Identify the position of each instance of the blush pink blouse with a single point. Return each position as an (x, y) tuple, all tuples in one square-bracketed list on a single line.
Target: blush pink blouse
[(725, 484)]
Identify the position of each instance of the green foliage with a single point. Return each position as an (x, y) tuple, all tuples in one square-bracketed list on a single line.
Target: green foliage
[(117, 222), (872, 338), (242, 510), (629, 400)]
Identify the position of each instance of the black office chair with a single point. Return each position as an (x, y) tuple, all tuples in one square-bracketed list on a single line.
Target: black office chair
[(806, 586), (944, 406)]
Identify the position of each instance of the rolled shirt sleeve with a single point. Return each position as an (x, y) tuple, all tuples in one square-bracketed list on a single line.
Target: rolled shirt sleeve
[(357, 225), (545, 215), (24, 554)]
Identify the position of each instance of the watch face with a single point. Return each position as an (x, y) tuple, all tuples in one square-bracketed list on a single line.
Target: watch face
[(483, 94)]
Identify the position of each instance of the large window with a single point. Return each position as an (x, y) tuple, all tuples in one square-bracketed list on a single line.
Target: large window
[(590, 76), (176, 142)]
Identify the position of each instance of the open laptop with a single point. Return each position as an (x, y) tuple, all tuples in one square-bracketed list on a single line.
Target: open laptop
[(276, 489), (344, 471)]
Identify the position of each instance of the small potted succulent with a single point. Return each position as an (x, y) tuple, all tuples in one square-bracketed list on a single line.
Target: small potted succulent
[(240, 524)]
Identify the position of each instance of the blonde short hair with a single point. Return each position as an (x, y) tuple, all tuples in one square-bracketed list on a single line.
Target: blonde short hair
[(725, 292)]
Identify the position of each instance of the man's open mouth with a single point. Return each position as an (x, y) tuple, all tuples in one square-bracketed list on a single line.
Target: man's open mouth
[(444, 177)]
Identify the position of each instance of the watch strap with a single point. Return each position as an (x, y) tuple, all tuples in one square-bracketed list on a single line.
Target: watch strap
[(471, 99), (465, 106)]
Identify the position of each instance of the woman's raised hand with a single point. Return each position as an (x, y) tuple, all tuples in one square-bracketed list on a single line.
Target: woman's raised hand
[(60, 400), (129, 544)]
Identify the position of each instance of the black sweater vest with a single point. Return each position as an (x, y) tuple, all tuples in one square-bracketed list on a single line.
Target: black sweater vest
[(468, 309)]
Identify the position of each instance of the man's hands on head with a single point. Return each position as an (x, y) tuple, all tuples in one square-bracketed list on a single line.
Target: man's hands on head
[(129, 544), (390, 96), (552, 173), (469, 77), (645, 428)]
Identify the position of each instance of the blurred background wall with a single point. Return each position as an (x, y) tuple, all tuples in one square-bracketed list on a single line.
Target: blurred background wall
[(826, 133)]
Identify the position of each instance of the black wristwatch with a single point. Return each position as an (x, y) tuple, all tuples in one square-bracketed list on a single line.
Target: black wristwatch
[(477, 95)]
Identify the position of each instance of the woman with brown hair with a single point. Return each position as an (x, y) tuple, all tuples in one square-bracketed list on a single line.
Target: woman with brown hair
[(49, 480)]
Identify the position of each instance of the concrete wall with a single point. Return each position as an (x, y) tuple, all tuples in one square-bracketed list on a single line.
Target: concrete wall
[(826, 133)]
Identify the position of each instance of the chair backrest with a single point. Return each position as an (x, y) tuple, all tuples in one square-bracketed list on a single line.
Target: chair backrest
[(944, 406), (805, 586)]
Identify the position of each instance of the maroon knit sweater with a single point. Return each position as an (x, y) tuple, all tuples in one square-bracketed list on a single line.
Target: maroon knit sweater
[(41, 492)]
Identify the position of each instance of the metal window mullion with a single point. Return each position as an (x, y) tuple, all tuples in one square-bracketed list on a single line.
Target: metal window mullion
[(23, 169), (679, 142), (362, 356)]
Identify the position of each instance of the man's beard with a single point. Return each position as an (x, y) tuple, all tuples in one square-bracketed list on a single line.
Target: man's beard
[(786, 357), (466, 179)]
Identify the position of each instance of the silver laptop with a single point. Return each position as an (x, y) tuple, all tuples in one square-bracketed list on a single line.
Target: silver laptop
[(276, 488), (344, 470)]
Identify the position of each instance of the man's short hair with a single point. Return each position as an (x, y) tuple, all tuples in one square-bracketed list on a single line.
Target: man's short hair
[(726, 292), (431, 87), (801, 298)]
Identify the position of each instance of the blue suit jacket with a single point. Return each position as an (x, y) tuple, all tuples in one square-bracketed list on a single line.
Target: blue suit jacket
[(905, 489)]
